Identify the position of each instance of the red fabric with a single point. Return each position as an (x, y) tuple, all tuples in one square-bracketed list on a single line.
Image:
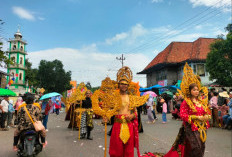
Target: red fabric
[(136, 134), (117, 147), (57, 105), (172, 153), (185, 112)]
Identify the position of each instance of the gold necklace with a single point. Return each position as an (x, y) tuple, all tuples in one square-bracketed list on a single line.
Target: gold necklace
[(197, 103)]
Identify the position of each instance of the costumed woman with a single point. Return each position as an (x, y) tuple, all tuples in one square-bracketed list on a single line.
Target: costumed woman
[(124, 135), (87, 117), (195, 113)]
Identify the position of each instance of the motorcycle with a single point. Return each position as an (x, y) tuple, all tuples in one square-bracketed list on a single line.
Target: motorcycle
[(30, 144)]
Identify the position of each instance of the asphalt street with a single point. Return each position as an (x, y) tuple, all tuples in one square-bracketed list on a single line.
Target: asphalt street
[(158, 137)]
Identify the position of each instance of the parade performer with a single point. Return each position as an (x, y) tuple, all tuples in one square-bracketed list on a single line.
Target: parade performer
[(195, 113), (124, 135), (86, 117)]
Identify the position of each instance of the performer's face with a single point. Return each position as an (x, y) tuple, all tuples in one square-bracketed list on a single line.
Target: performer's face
[(123, 87), (88, 94), (195, 92)]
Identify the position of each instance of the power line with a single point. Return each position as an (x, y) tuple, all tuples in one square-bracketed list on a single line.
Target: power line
[(171, 31)]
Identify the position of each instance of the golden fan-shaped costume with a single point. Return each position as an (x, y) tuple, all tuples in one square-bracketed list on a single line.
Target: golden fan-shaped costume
[(188, 79)]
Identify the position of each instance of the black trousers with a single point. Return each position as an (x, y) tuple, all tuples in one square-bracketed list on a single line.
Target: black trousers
[(3, 119)]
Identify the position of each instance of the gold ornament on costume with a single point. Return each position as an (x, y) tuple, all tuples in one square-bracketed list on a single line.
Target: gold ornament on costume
[(124, 74), (77, 96), (188, 79), (105, 102)]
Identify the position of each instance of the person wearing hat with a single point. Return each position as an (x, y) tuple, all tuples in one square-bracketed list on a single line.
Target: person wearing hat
[(124, 136), (228, 118), (4, 109)]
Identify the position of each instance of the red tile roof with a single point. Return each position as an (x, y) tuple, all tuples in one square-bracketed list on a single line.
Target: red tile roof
[(177, 52)]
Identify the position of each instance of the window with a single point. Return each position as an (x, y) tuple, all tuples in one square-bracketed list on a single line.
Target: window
[(21, 48), (13, 59), (14, 47), (21, 60), (161, 75), (20, 76), (201, 69)]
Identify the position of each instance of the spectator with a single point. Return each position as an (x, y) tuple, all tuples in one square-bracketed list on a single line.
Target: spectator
[(150, 109), (4, 108), (227, 119), (214, 106), (11, 111), (164, 112), (47, 107)]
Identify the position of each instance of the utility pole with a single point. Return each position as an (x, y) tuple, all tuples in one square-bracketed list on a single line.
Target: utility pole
[(121, 59)]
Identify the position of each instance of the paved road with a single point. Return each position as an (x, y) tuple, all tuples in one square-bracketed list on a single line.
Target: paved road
[(158, 137)]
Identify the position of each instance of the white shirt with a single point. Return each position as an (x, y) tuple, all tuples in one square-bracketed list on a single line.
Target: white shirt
[(4, 105)]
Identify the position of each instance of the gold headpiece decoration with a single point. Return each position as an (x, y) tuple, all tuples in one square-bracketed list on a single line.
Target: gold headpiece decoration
[(188, 79), (124, 74), (133, 89)]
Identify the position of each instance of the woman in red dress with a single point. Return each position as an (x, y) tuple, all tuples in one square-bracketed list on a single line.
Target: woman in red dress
[(195, 113)]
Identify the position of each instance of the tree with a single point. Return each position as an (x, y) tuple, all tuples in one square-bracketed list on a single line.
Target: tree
[(53, 77), (219, 60), (31, 74), (3, 55), (88, 86)]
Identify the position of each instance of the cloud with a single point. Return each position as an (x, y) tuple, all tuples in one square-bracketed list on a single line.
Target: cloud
[(116, 38), (41, 18), (23, 13), (88, 64), (128, 37), (156, 1), (225, 4)]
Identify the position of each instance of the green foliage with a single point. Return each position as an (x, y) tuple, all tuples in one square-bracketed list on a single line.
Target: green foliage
[(219, 60), (31, 74), (52, 76), (3, 56)]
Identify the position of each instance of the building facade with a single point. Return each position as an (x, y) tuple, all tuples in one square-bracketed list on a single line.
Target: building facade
[(167, 67), (17, 53)]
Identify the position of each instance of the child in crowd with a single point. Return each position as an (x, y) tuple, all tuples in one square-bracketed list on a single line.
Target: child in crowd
[(164, 110)]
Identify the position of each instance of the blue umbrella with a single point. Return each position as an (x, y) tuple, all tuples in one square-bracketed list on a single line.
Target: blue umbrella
[(49, 95)]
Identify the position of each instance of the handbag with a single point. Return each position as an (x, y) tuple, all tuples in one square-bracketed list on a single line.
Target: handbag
[(37, 124)]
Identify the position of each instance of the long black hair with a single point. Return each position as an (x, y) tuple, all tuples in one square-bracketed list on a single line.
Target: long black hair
[(28, 98)]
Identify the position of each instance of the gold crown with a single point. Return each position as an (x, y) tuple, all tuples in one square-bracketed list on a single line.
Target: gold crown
[(124, 74)]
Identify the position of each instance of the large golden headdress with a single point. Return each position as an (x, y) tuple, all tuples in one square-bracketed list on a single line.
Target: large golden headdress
[(124, 75), (188, 79)]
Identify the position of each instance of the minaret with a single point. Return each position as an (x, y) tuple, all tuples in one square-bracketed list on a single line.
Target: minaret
[(17, 53)]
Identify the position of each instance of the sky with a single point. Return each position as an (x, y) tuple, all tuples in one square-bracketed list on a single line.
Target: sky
[(88, 35)]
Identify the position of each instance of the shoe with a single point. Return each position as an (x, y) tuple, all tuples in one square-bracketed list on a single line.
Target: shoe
[(164, 122), (89, 138), (46, 130), (153, 121)]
